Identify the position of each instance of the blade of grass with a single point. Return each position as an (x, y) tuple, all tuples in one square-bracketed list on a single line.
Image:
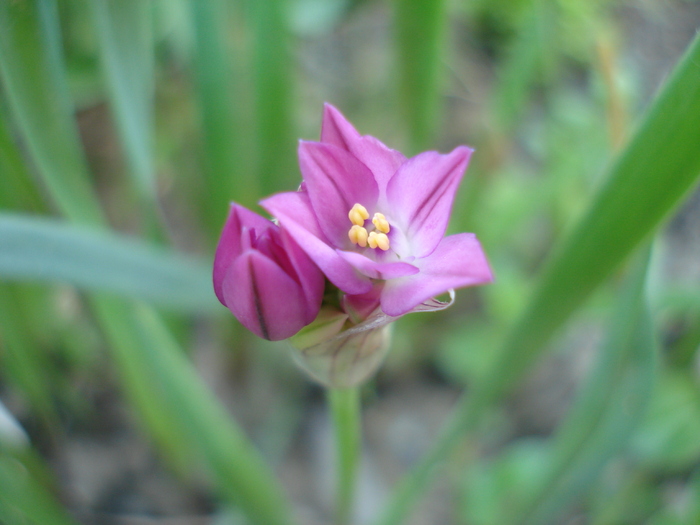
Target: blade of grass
[(33, 249), (25, 500), (276, 142), (124, 32), (32, 72), (23, 363), (649, 179), (17, 190), (227, 178), (606, 410), (241, 473), (420, 27), (530, 59)]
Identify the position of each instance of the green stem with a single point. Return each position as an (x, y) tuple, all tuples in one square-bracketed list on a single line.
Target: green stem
[(345, 408)]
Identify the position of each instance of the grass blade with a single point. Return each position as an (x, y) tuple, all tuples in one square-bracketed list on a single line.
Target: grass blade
[(23, 499), (276, 140), (225, 164), (33, 75), (419, 29), (33, 249), (154, 364), (606, 411), (124, 33), (650, 178)]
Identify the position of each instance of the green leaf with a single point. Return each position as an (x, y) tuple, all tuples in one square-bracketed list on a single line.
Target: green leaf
[(419, 38), (608, 408), (276, 141), (220, 108), (188, 415), (124, 33), (651, 177), (23, 499), (33, 249), (32, 71)]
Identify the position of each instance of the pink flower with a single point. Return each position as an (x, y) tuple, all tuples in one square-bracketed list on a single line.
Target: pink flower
[(264, 278), (374, 221)]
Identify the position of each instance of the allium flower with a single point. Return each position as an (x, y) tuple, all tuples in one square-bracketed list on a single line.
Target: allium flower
[(264, 278), (374, 221)]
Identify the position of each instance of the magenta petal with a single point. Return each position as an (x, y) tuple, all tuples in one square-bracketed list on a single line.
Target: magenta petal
[(336, 129), (252, 289), (229, 246), (310, 277), (360, 307), (294, 212), (335, 181), (421, 194), (457, 261), (381, 160), (378, 270)]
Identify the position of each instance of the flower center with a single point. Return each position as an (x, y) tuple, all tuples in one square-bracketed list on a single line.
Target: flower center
[(359, 235)]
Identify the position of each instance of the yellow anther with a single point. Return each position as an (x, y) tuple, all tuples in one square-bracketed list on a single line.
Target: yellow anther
[(358, 235), (358, 214), (378, 240), (381, 223)]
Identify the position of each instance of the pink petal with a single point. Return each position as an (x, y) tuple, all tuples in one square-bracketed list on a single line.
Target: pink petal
[(458, 261), (252, 289), (421, 194), (335, 181), (378, 270), (381, 160), (294, 212), (360, 307), (229, 246), (310, 278)]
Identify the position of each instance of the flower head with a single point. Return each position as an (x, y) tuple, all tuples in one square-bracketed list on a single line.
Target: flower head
[(369, 217), (264, 278)]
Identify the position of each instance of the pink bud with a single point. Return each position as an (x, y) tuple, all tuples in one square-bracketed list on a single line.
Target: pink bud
[(264, 278)]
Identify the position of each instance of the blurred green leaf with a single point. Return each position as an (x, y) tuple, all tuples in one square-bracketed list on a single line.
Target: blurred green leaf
[(188, 415), (653, 174), (23, 363), (23, 499), (32, 71), (33, 249), (608, 407), (668, 439), (124, 32), (227, 171), (17, 190), (274, 116), (420, 26), (508, 476)]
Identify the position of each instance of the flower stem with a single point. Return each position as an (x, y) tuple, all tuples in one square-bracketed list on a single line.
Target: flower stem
[(345, 409)]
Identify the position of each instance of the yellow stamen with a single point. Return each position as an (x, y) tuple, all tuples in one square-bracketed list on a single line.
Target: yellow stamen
[(378, 240), (358, 214), (381, 223), (358, 235)]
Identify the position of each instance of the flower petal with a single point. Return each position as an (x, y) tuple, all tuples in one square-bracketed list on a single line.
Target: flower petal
[(421, 193), (310, 278), (229, 246), (294, 212), (381, 160), (252, 289), (335, 181), (378, 270), (457, 261)]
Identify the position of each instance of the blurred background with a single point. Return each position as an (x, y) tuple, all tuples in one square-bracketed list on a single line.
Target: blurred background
[(151, 116)]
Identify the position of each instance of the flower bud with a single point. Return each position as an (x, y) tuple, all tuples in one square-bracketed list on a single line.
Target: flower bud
[(264, 278), (345, 346)]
